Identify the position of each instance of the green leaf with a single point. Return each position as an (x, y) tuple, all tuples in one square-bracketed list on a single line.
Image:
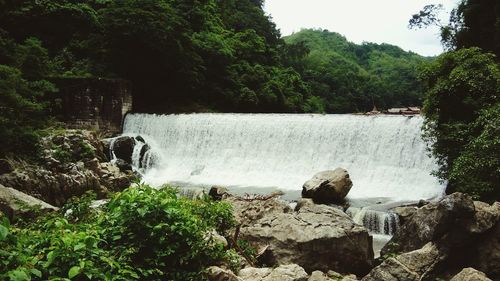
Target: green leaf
[(36, 272), (19, 275), (74, 271), (79, 246), (50, 258), (4, 231)]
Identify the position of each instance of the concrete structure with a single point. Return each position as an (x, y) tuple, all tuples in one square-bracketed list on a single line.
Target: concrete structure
[(92, 103)]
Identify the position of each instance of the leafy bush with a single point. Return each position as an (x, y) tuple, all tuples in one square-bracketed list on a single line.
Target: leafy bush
[(141, 234), (461, 100)]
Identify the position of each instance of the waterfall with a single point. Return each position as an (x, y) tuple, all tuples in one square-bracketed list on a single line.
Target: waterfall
[(385, 155), (378, 222)]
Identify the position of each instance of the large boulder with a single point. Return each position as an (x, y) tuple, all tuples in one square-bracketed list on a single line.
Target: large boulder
[(14, 203), (470, 274), (290, 272), (431, 222), (421, 264), (316, 237), (465, 232), (123, 148), (328, 186)]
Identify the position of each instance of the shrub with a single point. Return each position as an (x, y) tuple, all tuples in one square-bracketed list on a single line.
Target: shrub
[(141, 234)]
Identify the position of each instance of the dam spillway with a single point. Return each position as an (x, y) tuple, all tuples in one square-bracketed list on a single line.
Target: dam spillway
[(385, 155)]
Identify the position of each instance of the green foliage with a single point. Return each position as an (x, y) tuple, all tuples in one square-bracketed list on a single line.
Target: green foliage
[(477, 170), (21, 115), (141, 234), (461, 85), (346, 77)]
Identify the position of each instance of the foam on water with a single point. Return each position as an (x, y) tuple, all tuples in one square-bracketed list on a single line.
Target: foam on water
[(385, 155)]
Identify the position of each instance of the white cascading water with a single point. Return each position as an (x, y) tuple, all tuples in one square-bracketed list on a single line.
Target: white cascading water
[(384, 155)]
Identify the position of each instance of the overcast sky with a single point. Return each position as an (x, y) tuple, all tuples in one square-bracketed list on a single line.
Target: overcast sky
[(375, 21)]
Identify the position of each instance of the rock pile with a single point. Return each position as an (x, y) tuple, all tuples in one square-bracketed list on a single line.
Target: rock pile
[(73, 162)]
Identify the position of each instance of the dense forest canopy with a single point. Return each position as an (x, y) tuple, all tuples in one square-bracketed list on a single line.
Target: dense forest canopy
[(220, 55), (353, 78)]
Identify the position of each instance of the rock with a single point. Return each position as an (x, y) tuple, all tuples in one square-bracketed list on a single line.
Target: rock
[(331, 276), (248, 212), (485, 217), (93, 165), (123, 165), (217, 238), (5, 167), (254, 274), (291, 272), (431, 222), (140, 139), (303, 202), (470, 274), (123, 147), (79, 170), (14, 203), (320, 276), (317, 237), (404, 213), (215, 273), (328, 186), (106, 149), (145, 148), (487, 257), (467, 233), (421, 264), (217, 193)]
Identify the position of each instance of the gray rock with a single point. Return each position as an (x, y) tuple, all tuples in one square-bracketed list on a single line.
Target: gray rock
[(291, 272), (123, 147), (328, 186), (14, 203), (404, 213), (320, 276), (485, 217), (247, 212), (317, 237), (470, 274), (215, 273), (487, 258), (451, 215), (421, 264)]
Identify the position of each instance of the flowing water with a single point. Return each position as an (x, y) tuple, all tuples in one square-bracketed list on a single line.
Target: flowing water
[(385, 155)]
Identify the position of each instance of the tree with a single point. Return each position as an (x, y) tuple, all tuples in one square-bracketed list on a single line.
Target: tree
[(463, 89)]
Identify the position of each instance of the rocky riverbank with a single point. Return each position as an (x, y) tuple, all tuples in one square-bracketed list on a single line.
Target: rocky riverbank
[(72, 163), (454, 238)]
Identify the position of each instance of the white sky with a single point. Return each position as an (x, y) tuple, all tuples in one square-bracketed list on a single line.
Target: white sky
[(378, 21)]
